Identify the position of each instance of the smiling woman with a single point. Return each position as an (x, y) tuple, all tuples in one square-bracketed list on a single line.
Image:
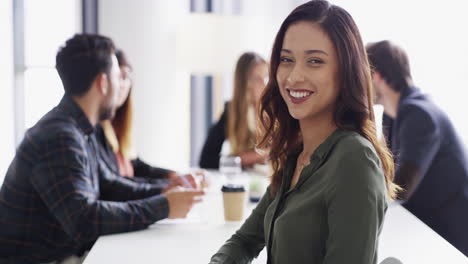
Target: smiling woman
[(323, 54), (331, 177), (308, 66)]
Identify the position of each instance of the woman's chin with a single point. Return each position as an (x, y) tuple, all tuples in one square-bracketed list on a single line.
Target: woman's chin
[(297, 115)]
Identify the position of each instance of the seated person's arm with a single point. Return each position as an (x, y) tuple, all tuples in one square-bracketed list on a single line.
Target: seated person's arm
[(70, 192), (419, 140), (356, 204), (117, 188), (408, 178), (143, 169), (209, 157), (140, 168)]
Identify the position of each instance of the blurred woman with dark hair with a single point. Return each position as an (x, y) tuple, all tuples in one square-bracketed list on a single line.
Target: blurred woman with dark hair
[(238, 124), (331, 176), (116, 138)]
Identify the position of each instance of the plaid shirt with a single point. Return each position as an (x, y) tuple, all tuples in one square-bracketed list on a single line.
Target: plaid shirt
[(58, 197)]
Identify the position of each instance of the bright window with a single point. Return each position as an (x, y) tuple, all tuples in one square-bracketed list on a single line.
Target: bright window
[(6, 87), (43, 90), (47, 25)]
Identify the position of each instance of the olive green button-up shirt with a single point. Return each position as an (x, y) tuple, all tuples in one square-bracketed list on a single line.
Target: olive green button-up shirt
[(333, 215)]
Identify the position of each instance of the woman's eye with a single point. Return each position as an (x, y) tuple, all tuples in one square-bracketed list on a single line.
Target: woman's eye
[(315, 61), (285, 60)]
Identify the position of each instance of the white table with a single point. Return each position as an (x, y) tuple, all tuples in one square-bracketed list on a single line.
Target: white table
[(197, 238)]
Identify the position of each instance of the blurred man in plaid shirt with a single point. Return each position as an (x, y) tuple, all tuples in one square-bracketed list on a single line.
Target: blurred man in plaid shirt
[(57, 198)]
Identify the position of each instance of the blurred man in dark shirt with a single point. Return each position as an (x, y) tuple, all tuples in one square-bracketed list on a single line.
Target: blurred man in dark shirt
[(58, 197), (430, 157)]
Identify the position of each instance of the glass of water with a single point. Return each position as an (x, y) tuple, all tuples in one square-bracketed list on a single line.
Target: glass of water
[(230, 167)]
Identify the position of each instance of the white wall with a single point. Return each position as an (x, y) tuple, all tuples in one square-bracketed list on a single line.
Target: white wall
[(7, 138), (146, 30)]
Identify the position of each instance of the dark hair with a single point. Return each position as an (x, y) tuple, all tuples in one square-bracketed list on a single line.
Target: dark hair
[(354, 106), (122, 58), (391, 62), (81, 59)]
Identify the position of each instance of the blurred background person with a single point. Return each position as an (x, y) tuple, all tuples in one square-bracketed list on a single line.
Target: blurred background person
[(431, 162), (237, 124), (116, 140), (58, 197)]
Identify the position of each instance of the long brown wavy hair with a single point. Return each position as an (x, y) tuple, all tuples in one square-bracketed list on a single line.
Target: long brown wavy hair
[(119, 131), (354, 105), (242, 137)]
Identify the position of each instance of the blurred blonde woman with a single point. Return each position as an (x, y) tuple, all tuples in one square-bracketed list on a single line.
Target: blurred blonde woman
[(116, 140), (237, 124)]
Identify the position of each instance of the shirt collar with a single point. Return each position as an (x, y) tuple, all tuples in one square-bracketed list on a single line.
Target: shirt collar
[(71, 108), (408, 92), (323, 149), (319, 155)]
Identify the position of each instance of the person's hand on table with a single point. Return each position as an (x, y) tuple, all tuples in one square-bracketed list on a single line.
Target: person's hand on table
[(201, 176), (194, 180), (181, 200)]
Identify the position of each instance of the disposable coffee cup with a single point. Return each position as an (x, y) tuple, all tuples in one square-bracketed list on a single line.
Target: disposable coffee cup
[(234, 198)]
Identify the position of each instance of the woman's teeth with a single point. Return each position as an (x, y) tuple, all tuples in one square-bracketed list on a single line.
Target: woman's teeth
[(299, 94)]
